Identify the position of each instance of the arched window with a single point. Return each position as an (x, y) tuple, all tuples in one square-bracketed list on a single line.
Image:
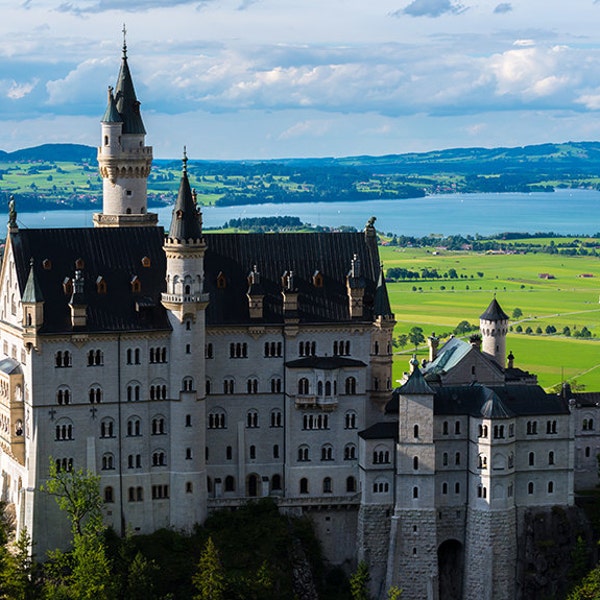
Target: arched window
[(445, 459), (187, 385), (303, 454), (95, 394), (304, 486), (252, 419), (276, 418), (350, 385), (108, 495), (158, 426), (416, 431), (327, 485), (415, 492), (531, 459), (444, 488), (327, 452), (252, 385), (64, 430), (217, 419), (63, 395), (530, 488), (108, 461), (303, 386), (349, 452), (415, 462), (350, 484), (350, 420), (550, 487), (107, 428), (159, 458), (229, 484), (550, 457), (134, 427)]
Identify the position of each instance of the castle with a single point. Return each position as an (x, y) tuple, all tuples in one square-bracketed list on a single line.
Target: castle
[(193, 372)]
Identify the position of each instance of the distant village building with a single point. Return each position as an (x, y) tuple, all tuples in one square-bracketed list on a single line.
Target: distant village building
[(193, 372)]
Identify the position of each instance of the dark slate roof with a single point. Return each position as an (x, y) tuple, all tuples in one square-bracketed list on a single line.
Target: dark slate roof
[(127, 102), (185, 222), (234, 256), (111, 114), (113, 254), (586, 398), (324, 362), (33, 292), (415, 384), (381, 431), (491, 401), (382, 306), (494, 312)]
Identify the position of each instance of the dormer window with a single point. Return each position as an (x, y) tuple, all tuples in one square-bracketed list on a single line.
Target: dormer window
[(146, 262), (46, 264), (317, 279), (179, 215), (136, 285), (101, 285), (79, 264), (221, 281), (68, 286)]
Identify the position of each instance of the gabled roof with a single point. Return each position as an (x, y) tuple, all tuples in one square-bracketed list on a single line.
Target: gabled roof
[(185, 222), (112, 254), (324, 362), (494, 312), (233, 256), (449, 355), (126, 100)]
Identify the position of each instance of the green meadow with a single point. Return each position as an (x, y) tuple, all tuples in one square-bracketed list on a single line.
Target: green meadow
[(565, 300)]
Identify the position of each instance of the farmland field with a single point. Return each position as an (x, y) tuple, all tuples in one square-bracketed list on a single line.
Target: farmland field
[(566, 299)]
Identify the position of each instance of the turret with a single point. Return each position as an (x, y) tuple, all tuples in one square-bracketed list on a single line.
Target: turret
[(123, 158), (33, 307), (493, 325)]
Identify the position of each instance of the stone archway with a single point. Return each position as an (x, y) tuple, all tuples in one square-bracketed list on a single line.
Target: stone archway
[(451, 567)]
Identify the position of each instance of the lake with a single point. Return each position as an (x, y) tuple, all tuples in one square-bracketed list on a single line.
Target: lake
[(564, 211)]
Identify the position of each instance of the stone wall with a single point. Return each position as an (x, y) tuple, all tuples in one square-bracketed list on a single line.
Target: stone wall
[(372, 542)]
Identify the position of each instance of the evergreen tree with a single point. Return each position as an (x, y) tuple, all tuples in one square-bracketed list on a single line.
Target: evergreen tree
[(209, 579), (140, 579), (359, 582)]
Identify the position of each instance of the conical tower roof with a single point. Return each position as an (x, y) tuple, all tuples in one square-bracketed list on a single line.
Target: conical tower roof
[(381, 307), (185, 223), (494, 312), (126, 100), (111, 114), (33, 291)]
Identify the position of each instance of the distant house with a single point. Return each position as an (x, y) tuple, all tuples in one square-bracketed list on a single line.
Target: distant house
[(546, 276), (586, 275)]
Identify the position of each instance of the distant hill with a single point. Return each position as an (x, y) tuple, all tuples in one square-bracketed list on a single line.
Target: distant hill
[(52, 153)]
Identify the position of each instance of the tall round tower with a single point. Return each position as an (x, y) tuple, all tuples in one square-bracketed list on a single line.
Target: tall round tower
[(493, 325), (123, 158)]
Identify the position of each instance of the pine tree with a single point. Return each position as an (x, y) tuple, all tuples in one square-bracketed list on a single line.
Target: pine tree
[(140, 579), (209, 579), (359, 582)]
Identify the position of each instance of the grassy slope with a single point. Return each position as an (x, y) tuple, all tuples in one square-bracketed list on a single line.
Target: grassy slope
[(567, 300)]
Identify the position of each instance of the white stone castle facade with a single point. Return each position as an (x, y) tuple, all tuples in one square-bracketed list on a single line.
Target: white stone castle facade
[(194, 372)]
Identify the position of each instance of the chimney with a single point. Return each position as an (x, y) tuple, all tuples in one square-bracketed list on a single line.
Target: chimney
[(433, 342)]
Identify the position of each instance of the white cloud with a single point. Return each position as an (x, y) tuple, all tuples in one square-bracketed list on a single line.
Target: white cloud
[(431, 8), (17, 91)]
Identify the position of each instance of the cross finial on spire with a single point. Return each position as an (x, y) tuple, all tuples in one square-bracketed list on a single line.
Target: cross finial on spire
[(185, 159), (124, 30)]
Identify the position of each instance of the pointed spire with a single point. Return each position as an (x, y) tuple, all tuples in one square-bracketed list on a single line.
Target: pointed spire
[(126, 100), (12, 214), (33, 291), (111, 114), (381, 305), (416, 383), (185, 223)]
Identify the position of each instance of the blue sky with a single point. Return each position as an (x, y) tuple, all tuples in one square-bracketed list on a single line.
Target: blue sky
[(235, 79)]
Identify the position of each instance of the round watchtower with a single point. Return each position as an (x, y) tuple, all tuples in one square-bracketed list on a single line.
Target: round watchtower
[(493, 325)]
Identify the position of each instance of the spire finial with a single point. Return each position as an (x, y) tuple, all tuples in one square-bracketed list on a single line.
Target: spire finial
[(12, 213), (124, 30), (185, 160)]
